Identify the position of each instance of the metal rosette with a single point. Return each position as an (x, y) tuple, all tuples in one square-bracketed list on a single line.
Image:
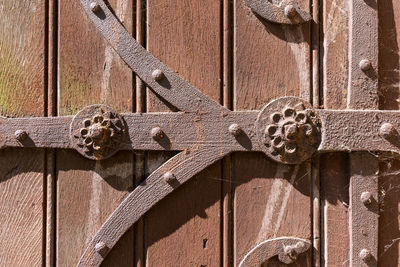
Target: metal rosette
[(289, 130), (98, 132)]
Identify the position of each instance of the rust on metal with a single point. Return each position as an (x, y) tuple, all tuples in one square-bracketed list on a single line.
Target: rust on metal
[(286, 248), (98, 132), (289, 130), (286, 12)]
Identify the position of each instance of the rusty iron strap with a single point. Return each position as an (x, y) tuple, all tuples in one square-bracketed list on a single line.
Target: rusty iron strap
[(286, 12), (342, 130)]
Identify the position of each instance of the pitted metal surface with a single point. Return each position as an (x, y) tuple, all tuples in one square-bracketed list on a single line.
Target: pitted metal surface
[(289, 130), (98, 132)]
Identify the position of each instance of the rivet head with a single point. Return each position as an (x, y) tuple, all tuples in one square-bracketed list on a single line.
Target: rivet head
[(290, 11), (366, 198), (101, 248), (95, 7), (235, 129), (156, 133), (387, 130), (365, 65), (157, 75), (20, 135), (169, 177), (365, 254)]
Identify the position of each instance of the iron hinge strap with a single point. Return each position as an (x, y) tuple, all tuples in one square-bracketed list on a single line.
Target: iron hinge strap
[(339, 130)]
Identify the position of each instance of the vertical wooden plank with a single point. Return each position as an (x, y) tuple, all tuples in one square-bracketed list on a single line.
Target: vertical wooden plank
[(186, 36), (22, 85), (336, 56), (87, 191), (389, 62), (334, 167), (270, 199)]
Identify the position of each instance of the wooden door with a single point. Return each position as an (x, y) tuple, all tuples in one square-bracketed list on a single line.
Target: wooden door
[(54, 62)]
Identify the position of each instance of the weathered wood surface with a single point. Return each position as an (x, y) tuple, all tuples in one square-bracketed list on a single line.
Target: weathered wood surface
[(389, 183), (186, 36), (270, 200), (334, 167), (22, 86), (90, 72)]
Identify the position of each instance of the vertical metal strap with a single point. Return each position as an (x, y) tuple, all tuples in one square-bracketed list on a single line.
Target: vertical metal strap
[(363, 94)]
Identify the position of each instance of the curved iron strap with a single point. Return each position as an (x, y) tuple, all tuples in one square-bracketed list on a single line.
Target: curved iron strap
[(287, 12), (167, 84), (286, 248), (183, 166)]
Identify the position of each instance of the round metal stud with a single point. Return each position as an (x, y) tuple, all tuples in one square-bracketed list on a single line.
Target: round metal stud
[(365, 254), (156, 133), (290, 11), (366, 198), (98, 132), (169, 177), (289, 130), (101, 248), (365, 65), (20, 135), (95, 7), (157, 75), (235, 129), (387, 130)]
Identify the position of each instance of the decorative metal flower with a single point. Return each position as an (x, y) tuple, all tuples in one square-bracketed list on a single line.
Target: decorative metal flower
[(98, 131), (291, 135)]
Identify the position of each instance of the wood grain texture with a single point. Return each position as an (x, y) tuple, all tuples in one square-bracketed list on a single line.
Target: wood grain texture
[(335, 53), (22, 85), (186, 36), (270, 60), (334, 167), (270, 200), (389, 184), (21, 210), (87, 192)]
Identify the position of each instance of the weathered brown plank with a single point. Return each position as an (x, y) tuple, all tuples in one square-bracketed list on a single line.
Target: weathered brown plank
[(270, 200), (336, 57), (335, 202), (185, 35), (334, 167), (389, 62), (22, 85), (87, 192)]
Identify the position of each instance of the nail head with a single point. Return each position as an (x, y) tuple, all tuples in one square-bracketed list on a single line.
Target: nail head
[(20, 135), (157, 75), (290, 11), (235, 129), (101, 248), (365, 65), (168, 177), (95, 7), (156, 133), (366, 198), (387, 130), (365, 254)]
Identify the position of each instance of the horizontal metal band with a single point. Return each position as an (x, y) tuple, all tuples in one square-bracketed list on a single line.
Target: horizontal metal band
[(342, 130), (181, 131)]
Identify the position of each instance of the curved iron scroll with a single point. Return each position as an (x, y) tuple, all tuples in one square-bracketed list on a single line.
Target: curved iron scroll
[(286, 248)]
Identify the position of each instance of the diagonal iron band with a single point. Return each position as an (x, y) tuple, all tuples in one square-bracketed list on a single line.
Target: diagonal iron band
[(163, 81)]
